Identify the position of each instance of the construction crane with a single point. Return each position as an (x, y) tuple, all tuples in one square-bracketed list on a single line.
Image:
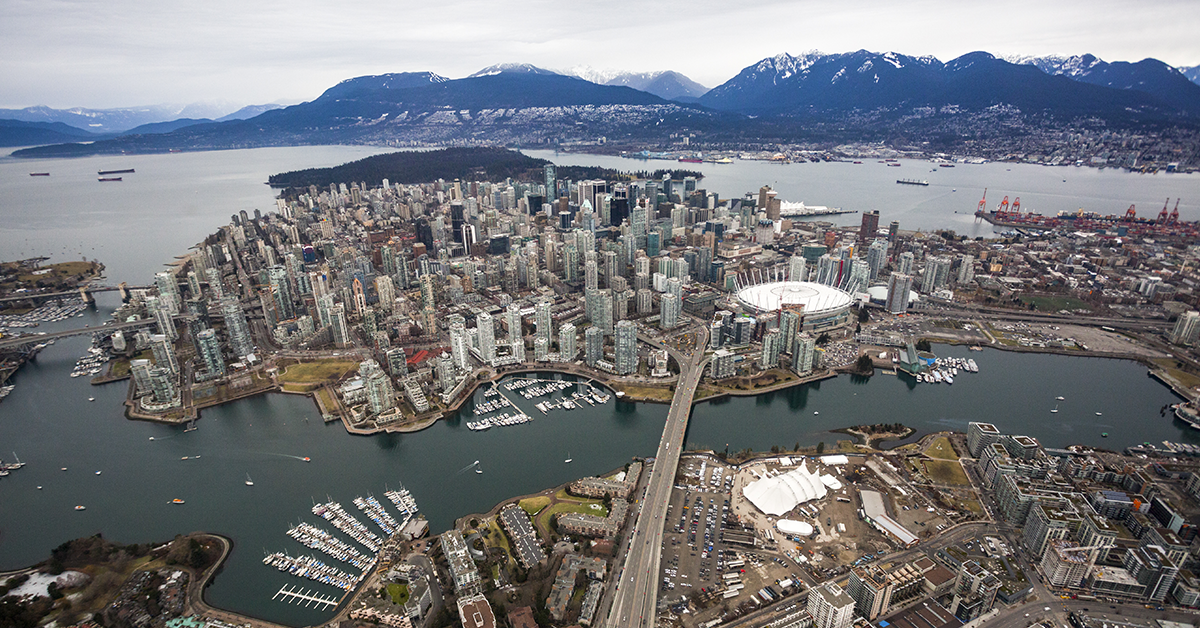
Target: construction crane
[(1131, 213)]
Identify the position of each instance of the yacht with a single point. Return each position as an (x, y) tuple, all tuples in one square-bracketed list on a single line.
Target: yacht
[(1055, 410), (80, 508), (569, 458), (249, 482)]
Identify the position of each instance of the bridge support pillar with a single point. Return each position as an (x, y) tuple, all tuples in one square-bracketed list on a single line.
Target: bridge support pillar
[(124, 289), (87, 296)]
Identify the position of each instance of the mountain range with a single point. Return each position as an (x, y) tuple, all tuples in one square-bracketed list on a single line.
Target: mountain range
[(859, 94)]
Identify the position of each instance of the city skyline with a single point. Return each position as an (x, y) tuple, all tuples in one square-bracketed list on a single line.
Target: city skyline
[(62, 54)]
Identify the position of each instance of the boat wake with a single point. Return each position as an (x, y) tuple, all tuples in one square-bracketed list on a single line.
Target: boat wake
[(468, 467)]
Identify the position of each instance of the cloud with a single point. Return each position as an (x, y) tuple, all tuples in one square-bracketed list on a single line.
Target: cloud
[(129, 52)]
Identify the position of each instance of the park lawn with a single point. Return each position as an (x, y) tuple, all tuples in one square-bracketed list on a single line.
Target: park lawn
[(327, 401), (317, 371), (534, 505), (1054, 304), (495, 537), (941, 449), (399, 593), (653, 393), (974, 506), (1183, 377), (945, 472)]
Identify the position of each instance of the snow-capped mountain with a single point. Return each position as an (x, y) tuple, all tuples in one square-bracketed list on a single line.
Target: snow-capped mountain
[(1149, 76), (510, 68)]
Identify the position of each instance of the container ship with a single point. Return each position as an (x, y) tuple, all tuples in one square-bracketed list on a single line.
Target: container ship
[(103, 179), (39, 174)]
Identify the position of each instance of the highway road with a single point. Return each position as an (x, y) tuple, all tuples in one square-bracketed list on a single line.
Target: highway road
[(635, 602)]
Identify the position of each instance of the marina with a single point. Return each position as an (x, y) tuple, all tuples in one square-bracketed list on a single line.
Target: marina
[(375, 512), (333, 513), (944, 370), (300, 596), (313, 569), (315, 538)]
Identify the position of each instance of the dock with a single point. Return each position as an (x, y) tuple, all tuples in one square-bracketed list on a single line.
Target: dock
[(307, 599)]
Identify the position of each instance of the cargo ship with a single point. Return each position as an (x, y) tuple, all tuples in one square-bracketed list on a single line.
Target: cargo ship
[(912, 182), (39, 174), (691, 160), (103, 179), (104, 172)]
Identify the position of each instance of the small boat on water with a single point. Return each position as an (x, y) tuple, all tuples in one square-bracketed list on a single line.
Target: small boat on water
[(80, 508), (1055, 410), (569, 458), (306, 459), (249, 482), (1060, 398), (97, 473), (91, 398), (176, 501), (1099, 414), (1104, 434)]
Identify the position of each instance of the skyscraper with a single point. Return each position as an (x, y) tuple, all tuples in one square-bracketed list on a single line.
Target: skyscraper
[(566, 342), (899, 285), (870, 226), (669, 306), (338, 327), (236, 327), (830, 607), (593, 345), (209, 349), (1186, 329), (544, 321), (487, 337), (772, 344), (626, 348), (164, 353), (458, 347), (803, 354)]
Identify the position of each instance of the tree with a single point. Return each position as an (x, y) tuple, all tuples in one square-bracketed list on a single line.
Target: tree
[(923, 345), (865, 365), (823, 339), (863, 315), (821, 447)]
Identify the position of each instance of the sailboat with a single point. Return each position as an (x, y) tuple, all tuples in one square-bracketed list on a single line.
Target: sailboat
[(1055, 410), (569, 458), (478, 469), (249, 482)]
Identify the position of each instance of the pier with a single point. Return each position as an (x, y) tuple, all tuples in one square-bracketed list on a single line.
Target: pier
[(307, 599)]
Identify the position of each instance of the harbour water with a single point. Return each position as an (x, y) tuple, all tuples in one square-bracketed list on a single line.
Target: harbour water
[(948, 202), (49, 423)]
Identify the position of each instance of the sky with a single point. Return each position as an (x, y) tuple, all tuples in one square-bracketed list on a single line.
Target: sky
[(122, 53)]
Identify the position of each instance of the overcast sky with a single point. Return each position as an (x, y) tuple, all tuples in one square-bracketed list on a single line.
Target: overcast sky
[(118, 53)]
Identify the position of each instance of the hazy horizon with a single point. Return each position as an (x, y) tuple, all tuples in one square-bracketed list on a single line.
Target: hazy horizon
[(82, 53)]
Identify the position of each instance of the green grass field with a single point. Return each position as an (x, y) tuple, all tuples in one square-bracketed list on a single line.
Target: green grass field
[(945, 472), (941, 449), (399, 593), (318, 371), (1054, 304), (534, 505)]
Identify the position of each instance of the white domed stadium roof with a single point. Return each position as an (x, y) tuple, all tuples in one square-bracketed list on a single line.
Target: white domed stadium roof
[(815, 298)]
